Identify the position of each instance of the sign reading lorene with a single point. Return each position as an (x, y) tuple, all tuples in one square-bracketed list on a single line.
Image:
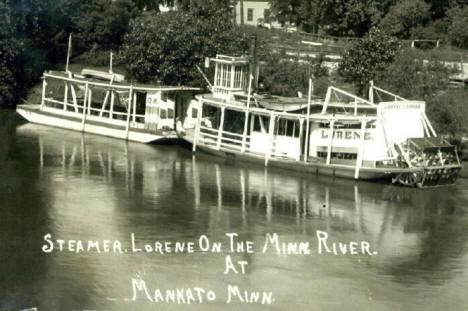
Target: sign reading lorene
[(347, 134)]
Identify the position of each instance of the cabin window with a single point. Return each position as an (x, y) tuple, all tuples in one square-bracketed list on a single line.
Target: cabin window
[(288, 128), (249, 15), (194, 113), (164, 97), (162, 113), (170, 113)]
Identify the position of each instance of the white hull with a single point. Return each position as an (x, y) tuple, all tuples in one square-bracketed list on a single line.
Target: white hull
[(33, 114)]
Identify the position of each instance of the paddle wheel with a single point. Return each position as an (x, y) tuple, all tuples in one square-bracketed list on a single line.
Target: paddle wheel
[(434, 160)]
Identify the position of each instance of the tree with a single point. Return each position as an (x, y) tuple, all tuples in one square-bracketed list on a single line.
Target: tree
[(166, 47), (9, 52), (425, 75), (404, 16), (335, 17), (367, 57), (99, 23), (458, 27)]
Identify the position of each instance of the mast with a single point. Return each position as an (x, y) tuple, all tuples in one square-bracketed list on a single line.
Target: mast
[(68, 52)]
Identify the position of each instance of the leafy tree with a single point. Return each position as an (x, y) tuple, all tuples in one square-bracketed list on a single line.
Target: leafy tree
[(335, 17), (449, 112), (367, 57), (425, 75), (166, 47), (101, 23), (404, 16), (458, 28), (9, 52), (288, 77)]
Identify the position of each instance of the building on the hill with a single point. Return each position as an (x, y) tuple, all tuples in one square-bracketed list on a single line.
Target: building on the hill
[(255, 13)]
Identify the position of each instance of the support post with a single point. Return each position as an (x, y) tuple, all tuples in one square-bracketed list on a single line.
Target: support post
[(426, 129), (111, 112), (134, 101), (44, 87), (271, 129), (361, 148), (75, 101), (129, 110), (250, 91), (197, 126), (327, 100), (244, 134), (330, 141), (65, 97), (220, 129), (301, 129), (309, 101), (371, 91), (429, 125), (90, 100), (83, 118), (104, 103)]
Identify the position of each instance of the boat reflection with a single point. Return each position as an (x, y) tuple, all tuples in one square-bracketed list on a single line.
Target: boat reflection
[(126, 187)]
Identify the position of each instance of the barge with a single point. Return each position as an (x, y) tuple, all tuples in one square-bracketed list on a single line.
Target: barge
[(107, 107)]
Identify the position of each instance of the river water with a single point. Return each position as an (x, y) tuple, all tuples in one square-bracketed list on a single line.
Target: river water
[(86, 187)]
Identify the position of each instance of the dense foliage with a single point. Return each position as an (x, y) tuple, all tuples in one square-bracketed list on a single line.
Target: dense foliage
[(166, 47), (367, 57), (287, 78), (34, 33), (458, 28), (404, 16)]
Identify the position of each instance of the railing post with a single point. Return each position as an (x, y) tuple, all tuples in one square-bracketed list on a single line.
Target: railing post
[(129, 110), (244, 134), (309, 101), (330, 141), (197, 126), (104, 103), (90, 100), (65, 97), (271, 129), (301, 129), (44, 87), (134, 100), (361, 148), (220, 129), (111, 112), (83, 119)]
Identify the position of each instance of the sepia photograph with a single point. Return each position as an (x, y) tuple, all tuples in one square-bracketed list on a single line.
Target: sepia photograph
[(290, 155)]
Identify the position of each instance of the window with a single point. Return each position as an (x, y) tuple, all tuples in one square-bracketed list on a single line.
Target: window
[(249, 15)]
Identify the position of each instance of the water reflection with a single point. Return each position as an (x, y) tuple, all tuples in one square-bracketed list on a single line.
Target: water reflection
[(90, 187)]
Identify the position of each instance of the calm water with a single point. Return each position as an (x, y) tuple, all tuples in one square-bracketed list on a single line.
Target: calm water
[(86, 187)]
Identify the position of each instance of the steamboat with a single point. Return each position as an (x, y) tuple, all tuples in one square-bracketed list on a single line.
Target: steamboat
[(342, 135)]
